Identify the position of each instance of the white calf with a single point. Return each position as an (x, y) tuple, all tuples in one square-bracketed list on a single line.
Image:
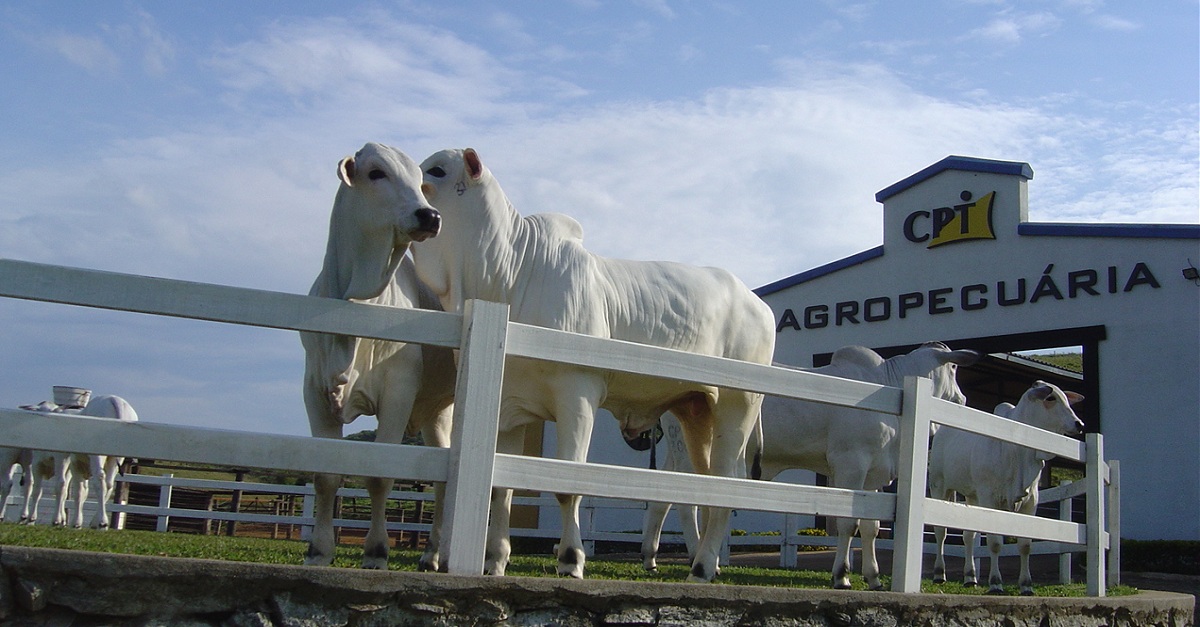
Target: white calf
[(855, 449), (44, 466), (540, 268), (999, 475), (378, 211), (100, 471)]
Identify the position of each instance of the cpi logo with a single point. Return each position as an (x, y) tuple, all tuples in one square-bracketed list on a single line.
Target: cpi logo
[(944, 225)]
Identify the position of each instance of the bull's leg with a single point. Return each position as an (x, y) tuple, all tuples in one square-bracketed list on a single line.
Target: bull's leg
[(850, 472), (323, 424), (652, 525), (321, 542), (34, 486), (939, 562), (99, 486), (63, 482), (377, 542), (1025, 546), (869, 530), (995, 581), (80, 481), (499, 546), (575, 412), (840, 575), (731, 423), (437, 434), (970, 539)]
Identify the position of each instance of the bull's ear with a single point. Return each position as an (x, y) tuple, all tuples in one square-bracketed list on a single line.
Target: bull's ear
[(1040, 391), (345, 171), (962, 357), (1073, 397), (473, 163)]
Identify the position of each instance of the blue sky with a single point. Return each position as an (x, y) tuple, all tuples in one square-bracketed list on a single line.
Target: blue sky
[(198, 141)]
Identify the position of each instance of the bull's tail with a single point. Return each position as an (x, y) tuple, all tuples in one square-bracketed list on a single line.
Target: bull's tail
[(756, 439)]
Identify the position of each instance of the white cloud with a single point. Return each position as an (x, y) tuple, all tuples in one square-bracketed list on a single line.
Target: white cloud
[(88, 52)]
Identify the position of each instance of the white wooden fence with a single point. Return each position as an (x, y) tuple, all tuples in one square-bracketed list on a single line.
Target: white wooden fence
[(485, 338)]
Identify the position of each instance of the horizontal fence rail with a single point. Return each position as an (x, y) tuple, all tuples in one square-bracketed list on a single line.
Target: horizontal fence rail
[(471, 467)]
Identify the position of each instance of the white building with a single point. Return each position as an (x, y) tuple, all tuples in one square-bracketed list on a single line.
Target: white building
[(961, 263)]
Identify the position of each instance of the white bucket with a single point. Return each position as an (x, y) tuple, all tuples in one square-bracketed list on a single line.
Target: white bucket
[(71, 398)]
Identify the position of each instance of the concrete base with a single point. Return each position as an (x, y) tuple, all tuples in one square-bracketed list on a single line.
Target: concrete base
[(53, 587)]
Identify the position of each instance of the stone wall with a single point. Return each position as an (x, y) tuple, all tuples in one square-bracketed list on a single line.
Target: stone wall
[(57, 587)]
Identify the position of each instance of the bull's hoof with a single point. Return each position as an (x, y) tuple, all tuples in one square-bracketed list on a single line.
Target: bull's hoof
[(970, 584), (427, 565), (995, 591), (1027, 593), (939, 580), (837, 585), (876, 587)]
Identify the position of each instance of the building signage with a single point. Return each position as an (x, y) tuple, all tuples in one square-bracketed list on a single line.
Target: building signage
[(1049, 286), (945, 225)]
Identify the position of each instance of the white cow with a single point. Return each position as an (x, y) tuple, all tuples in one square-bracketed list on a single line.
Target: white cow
[(999, 475), (539, 267), (75, 473), (856, 449), (378, 211)]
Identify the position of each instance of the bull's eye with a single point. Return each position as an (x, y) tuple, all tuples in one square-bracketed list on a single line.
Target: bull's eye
[(376, 174), (436, 172)]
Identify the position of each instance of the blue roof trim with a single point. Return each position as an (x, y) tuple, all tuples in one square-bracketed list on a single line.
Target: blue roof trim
[(829, 268), (1062, 229), (967, 164)]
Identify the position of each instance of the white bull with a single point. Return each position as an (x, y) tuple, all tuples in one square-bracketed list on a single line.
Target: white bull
[(539, 267), (378, 211), (855, 448), (996, 474)]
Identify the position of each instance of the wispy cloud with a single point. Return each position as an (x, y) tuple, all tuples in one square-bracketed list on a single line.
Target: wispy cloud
[(89, 52)]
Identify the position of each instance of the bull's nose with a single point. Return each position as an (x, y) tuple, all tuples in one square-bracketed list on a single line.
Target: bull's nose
[(429, 219)]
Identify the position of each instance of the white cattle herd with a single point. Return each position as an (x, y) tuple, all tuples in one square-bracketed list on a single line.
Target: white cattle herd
[(439, 234), (73, 473)]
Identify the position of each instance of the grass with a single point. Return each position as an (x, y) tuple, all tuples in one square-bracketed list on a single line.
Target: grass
[(265, 551)]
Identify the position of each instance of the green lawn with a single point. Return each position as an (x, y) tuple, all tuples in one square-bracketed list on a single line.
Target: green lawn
[(267, 551)]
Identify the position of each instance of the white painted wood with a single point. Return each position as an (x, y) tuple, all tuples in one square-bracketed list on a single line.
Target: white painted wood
[(218, 303), (988, 424), (560, 476), (473, 436), (471, 467), (961, 516), (152, 440), (560, 346), (1096, 560), (1064, 559), (911, 474), (1114, 523)]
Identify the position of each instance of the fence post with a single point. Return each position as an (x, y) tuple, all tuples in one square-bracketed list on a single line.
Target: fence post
[(909, 530), (1114, 522), (1094, 465), (164, 502), (1065, 512), (473, 435), (307, 509), (789, 542)]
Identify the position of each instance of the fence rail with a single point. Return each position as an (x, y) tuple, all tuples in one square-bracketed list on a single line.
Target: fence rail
[(485, 337)]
